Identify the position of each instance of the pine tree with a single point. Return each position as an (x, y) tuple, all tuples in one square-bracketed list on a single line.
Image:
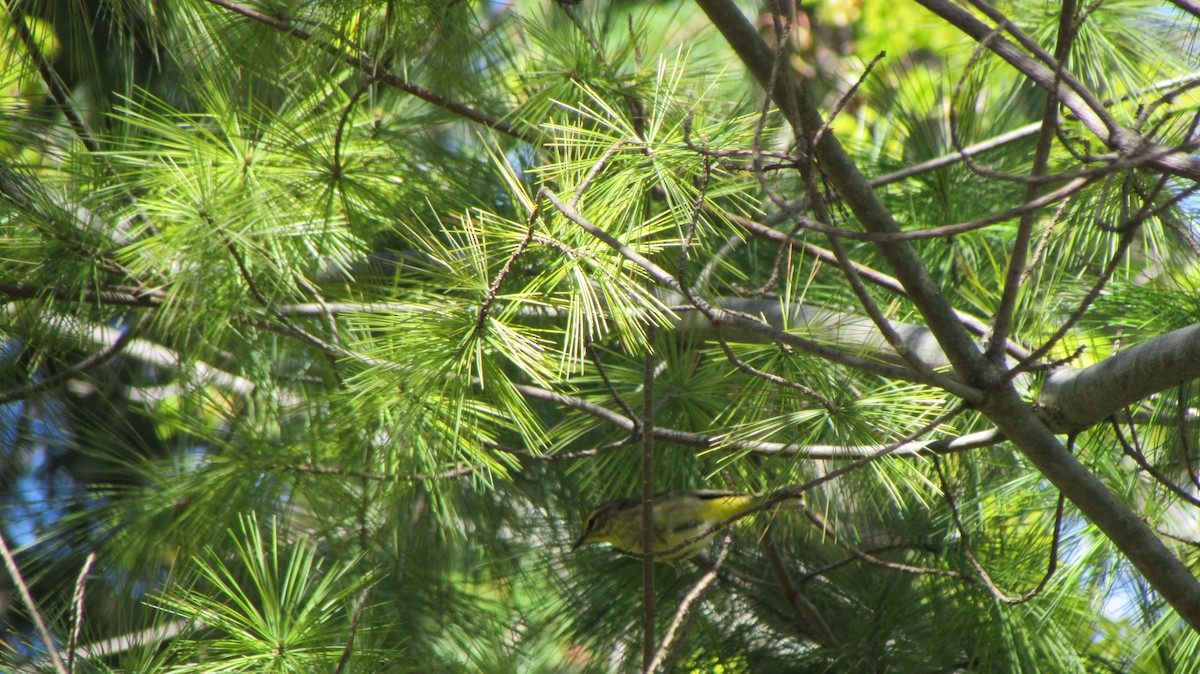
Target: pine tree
[(327, 324)]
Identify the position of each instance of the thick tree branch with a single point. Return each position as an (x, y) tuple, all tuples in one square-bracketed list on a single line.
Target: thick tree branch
[(1190, 6), (1073, 399), (1002, 404), (1170, 577), (841, 170)]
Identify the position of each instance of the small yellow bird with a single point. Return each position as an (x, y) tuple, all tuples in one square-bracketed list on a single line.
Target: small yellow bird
[(676, 516)]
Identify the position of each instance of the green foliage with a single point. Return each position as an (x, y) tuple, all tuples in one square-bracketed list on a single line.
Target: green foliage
[(358, 377), (278, 609)]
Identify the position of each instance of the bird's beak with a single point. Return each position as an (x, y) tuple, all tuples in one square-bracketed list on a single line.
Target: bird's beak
[(582, 539)]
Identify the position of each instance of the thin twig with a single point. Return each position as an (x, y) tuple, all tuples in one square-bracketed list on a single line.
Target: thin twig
[(945, 446), (869, 555), (34, 614), (1185, 445), (1043, 242), (341, 127), (490, 298), (292, 329), (1075, 182), (665, 656), (697, 208), (1173, 536), (988, 145), (599, 166), (811, 618), (1030, 360), (1002, 323), (845, 98), (984, 577), (774, 378), (590, 349), (798, 490), (827, 530), (1134, 452), (355, 614), (953, 126), (648, 532), (50, 78)]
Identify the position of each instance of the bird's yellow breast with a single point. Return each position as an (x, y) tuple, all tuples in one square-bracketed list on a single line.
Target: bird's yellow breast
[(676, 518)]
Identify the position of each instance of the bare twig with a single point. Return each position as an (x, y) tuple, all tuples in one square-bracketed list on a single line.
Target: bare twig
[(811, 619), (798, 491), (685, 615), (984, 577), (34, 614), (50, 78), (490, 298), (288, 325), (827, 529), (845, 98), (1019, 256), (1133, 451), (341, 127), (1175, 537), (1185, 445), (612, 390), (870, 556), (355, 614), (600, 165), (749, 369), (648, 531), (1118, 254)]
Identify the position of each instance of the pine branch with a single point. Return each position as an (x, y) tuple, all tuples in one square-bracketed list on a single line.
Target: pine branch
[(35, 614), (1074, 96), (1073, 399), (369, 66), (1002, 405)]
